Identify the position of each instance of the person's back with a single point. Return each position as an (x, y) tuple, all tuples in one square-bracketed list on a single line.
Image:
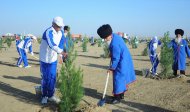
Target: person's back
[(23, 47), (121, 64), (26, 43), (118, 41), (125, 58)]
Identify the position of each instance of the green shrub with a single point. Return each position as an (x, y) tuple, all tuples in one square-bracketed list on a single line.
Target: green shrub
[(145, 51), (84, 44), (106, 51), (70, 83), (8, 41), (95, 40), (166, 58), (39, 40), (1, 43), (99, 42), (134, 43)]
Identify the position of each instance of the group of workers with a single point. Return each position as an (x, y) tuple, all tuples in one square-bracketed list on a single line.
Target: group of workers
[(180, 52), (53, 45)]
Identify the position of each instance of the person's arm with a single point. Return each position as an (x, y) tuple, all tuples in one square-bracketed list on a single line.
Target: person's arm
[(29, 46), (62, 41), (187, 50), (30, 49), (61, 45), (170, 44), (159, 42), (115, 50), (52, 45)]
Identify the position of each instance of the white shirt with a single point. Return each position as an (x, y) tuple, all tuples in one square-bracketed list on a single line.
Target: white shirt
[(51, 45)]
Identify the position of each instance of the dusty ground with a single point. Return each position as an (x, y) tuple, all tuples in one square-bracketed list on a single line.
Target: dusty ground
[(17, 92)]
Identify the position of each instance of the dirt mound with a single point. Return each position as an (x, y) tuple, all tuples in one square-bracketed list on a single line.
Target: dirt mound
[(182, 78), (145, 95), (93, 108), (80, 108)]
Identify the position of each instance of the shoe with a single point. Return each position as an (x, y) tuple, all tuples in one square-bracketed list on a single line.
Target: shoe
[(44, 100), (180, 76), (54, 99), (20, 66), (122, 95), (115, 101), (27, 66)]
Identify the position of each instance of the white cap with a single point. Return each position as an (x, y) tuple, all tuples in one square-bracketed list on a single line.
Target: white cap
[(32, 36), (155, 38), (58, 21)]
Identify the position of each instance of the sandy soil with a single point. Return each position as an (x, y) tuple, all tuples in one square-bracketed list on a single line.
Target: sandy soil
[(17, 92)]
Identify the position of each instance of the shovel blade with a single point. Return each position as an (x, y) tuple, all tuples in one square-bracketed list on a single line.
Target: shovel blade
[(101, 102), (147, 73)]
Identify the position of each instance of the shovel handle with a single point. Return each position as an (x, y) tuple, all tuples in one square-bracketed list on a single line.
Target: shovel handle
[(107, 79), (154, 61), (34, 57)]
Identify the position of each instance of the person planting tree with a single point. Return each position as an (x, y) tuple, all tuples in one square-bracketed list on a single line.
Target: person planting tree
[(52, 44), (152, 46), (180, 50), (67, 43), (122, 64)]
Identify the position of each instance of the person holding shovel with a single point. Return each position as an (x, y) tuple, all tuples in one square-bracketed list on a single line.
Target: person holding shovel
[(51, 45), (152, 46), (180, 50), (121, 62)]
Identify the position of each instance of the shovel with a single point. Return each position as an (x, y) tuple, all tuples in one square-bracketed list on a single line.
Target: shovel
[(34, 56), (148, 71), (103, 100)]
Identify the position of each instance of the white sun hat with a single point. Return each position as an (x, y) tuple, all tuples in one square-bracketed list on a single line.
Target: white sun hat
[(32, 36), (155, 38), (58, 21)]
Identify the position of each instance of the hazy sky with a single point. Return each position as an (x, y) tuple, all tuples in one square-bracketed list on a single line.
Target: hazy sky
[(135, 17)]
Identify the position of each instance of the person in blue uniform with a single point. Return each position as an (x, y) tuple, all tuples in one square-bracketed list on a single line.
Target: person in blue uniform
[(152, 46), (121, 66), (23, 47), (18, 40), (51, 45), (67, 43), (180, 50)]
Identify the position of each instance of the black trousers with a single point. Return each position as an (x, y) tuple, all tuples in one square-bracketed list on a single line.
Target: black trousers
[(119, 96), (181, 72)]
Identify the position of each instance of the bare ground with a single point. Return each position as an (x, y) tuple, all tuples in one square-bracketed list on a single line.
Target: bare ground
[(17, 92)]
